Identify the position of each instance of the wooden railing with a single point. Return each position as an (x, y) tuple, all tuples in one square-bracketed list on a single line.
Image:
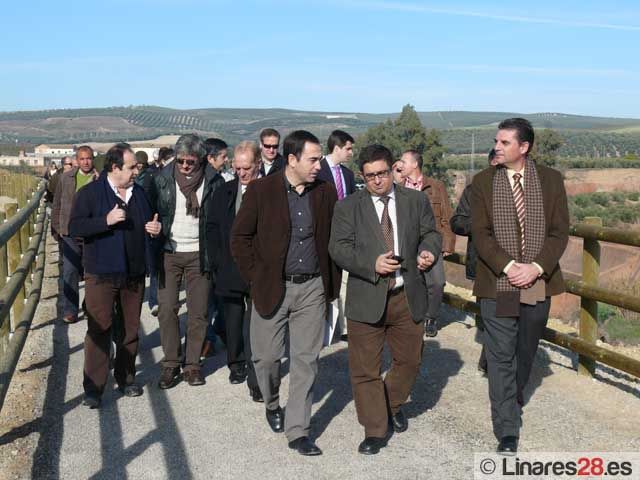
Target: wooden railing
[(22, 260), (590, 294)]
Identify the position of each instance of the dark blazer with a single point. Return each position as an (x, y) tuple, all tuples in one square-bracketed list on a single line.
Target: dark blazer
[(357, 241), (492, 258), (222, 213), (349, 178), (278, 165), (461, 225), (260, 239), (162, 197)]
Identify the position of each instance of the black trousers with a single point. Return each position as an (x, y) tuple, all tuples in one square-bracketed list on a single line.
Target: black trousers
[(237, 317), (510, 344)]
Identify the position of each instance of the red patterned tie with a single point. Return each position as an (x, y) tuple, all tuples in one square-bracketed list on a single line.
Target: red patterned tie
[(518, 200), (387, 233)]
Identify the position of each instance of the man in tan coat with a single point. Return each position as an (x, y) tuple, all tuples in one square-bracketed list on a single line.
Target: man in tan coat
[(439, 199)]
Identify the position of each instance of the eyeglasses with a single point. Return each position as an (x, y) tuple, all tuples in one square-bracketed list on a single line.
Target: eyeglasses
[(188, 161), (270, 147), (370, 177)]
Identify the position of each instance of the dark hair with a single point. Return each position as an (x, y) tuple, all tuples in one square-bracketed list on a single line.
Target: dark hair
[(492, 155), (338, 138), (269, 132), (523, 128), (214, 146), (294, 143), (115, 156), (142, 157), (416, 156), (165, 153), (373, 153)]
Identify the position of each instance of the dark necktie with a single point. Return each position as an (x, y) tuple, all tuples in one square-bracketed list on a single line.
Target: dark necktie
[(387, 233)]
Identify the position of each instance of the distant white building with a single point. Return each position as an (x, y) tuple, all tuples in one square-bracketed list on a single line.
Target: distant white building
[(17, 160), (56, 151)]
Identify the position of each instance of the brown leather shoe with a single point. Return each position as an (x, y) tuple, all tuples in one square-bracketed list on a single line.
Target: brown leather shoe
[(194, 378)]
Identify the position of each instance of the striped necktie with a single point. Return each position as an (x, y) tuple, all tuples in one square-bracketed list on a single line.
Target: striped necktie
[(338, 177), (387, 233), (518, 200)]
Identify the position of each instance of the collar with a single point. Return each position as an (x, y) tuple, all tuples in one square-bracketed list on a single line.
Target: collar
[(267, 162), (291, 188), (127, 195), (331, 162)]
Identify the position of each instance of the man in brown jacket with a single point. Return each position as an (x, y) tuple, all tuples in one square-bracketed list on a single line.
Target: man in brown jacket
[(68, 184), (520, 227), (279, 242), (439, 199)]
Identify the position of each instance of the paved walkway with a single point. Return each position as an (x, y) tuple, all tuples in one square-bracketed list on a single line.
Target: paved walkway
[(215, 431)]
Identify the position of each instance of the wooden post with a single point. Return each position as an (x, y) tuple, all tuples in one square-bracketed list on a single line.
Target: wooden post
[(589, 308), (14, 251), (4, 329)]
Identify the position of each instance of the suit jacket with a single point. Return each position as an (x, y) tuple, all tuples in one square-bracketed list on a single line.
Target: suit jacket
[(222, 213), (278, 164), (357, 241), (260, 240), (492, 258), (349, 178), (441, 206), (65, 192), (461, 225)]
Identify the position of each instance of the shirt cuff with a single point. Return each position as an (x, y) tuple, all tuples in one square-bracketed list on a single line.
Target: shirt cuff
[(506, 269), (540, 269)]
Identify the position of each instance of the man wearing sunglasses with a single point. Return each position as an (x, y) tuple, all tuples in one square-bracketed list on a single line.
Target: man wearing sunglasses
[(180, 196), (384, 236), (272, 161)]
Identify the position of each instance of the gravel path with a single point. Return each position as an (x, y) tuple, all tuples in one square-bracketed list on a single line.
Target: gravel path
[(216, 432)]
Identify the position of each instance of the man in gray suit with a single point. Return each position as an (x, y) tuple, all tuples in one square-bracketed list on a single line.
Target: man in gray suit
[(383, 236)]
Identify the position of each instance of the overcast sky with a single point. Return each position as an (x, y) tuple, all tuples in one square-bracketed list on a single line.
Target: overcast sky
[(367, 56)]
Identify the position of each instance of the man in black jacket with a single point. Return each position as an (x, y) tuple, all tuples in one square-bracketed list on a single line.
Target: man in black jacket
[(271, 160), (115, 221), (180, 196), (234, 291), (461, 225)]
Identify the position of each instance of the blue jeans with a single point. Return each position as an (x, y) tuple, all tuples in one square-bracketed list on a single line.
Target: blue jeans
[(71, 272)]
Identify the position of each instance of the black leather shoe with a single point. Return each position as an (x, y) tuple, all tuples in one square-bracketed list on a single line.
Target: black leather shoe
[(275, 418), (237, 376), (431, 327), (169, 377), (132, 390), (91, 401), (194, 378), (304, 446), (256, 395), (344, 337), (399, 422), (371, 445), (508, 446)]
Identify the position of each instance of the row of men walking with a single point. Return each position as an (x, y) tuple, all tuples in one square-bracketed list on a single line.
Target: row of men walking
[(276, 248)]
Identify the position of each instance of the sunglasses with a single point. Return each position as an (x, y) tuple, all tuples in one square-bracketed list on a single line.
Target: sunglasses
[(189, 162), (270, 147)]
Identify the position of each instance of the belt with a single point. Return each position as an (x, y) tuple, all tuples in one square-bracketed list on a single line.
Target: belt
[(301, 277), (395, 291)]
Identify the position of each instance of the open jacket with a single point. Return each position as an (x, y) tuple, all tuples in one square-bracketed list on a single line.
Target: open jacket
[(492, 259), (441, 206), (260, 239), (163, 201)]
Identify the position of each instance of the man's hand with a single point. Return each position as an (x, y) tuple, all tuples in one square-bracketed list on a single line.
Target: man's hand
[(425, 260), (523, 275), (385, 264), (116, 215), (446, 254), (153, 227)]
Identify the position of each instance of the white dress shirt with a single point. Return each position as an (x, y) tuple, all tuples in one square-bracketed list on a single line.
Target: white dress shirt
[(333, 173), (379, 206), (127, 195)]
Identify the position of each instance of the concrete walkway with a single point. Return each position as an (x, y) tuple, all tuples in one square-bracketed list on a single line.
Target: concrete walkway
[(217, 432)]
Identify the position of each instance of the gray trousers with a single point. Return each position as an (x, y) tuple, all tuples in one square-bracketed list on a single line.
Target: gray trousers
[(303, 311), (510, 344), (434, 279)]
